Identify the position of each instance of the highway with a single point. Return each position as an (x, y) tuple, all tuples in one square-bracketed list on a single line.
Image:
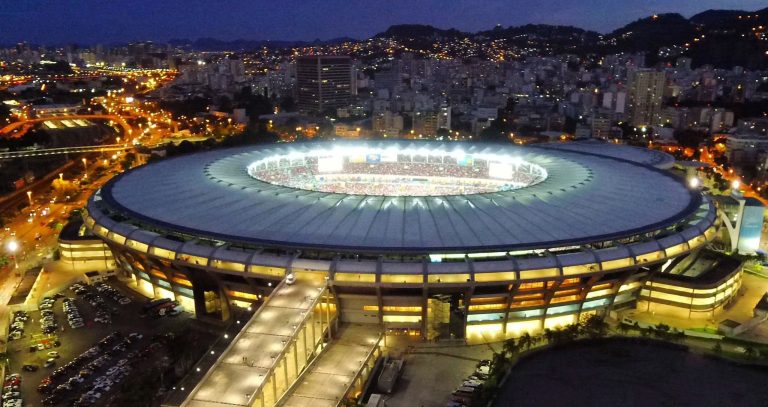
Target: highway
[(7, 155), (10, 131)]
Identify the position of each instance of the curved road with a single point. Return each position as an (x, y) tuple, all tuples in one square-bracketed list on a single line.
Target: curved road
[(26, 125)]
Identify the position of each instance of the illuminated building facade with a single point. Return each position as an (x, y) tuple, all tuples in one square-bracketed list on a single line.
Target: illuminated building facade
[(323, 82)]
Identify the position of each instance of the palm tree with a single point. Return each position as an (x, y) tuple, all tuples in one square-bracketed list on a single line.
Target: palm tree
[(548, 335), (525, 341), (511, 347)]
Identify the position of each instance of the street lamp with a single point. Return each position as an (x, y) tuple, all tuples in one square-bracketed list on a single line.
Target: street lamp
[(12, 247), (29, 196), (85, 164), (61, 176)]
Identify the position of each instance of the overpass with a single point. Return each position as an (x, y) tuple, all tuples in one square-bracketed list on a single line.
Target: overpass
[(273, 348), (8, 155), (25, 125)]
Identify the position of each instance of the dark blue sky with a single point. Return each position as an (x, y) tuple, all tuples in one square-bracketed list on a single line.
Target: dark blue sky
[(107, 21)]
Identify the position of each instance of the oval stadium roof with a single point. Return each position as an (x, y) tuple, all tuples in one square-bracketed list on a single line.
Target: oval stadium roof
[(658, 159), (585, 198)]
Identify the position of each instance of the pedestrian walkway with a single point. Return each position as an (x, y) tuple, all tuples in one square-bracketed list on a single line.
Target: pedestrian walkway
[(347, 359), (273, 348)]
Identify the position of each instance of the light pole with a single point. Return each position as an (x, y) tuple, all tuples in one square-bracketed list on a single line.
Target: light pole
[(61, 176), (29, 196), (13, 247)]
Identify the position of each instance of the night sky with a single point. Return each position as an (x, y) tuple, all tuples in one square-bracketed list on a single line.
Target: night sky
[(110, 21)]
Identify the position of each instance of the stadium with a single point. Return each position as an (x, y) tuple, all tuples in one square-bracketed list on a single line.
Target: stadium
[(439, 240)]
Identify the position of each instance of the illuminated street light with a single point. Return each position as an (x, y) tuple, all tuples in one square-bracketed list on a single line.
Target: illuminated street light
[(29, 196), (694, 182), (13, 247), (735, 184), (61, 176)]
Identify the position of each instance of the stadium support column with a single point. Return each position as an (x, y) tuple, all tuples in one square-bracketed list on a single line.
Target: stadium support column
[(424, 300), (198, 290), (468, 293), (513, 288), (334, 294), (587, 287), (379, 300)]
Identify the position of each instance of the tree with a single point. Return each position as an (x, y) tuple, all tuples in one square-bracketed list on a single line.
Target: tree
[(718, 348), (287, 104), (525, 341), (511, 347), (594, 326), (549, 335), (750, 352), (225, 104), (623, 328), (646, 332)]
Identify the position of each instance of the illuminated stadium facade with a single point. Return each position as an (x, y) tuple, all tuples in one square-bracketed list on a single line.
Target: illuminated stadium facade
[(427, 238)]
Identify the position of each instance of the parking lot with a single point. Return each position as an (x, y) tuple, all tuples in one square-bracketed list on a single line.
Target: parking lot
[(124, 318), (432, 373)]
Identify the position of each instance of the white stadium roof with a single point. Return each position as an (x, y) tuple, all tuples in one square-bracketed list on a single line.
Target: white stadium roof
[(586, 198)]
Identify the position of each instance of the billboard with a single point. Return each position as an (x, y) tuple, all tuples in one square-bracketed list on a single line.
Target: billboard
[(466, 161), (500, 170), (330, 164)]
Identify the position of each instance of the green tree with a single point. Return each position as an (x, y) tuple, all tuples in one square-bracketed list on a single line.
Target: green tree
[(549, 335), (623, 328), (594, 326), (525, 341), (443, 133), (511, 347), (718, 348)]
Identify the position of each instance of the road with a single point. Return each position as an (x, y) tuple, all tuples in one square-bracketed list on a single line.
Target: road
[(11, 130)]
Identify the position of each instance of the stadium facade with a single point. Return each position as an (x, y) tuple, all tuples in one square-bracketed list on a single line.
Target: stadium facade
[(464, 239)]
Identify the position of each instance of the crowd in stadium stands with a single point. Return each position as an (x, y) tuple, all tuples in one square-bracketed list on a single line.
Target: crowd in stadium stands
[(407, 177)]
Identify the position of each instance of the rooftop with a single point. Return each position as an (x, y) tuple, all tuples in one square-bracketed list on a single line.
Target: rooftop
[(585, 198)]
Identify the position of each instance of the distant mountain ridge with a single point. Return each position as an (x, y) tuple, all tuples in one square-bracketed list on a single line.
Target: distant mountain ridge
[(216, 45), (723, 38)]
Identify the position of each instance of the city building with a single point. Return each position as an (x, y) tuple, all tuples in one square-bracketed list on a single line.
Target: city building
[(646, 94), (323, 82)]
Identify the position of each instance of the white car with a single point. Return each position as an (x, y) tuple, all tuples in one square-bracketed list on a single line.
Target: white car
[(290, 278), (53, 354)]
